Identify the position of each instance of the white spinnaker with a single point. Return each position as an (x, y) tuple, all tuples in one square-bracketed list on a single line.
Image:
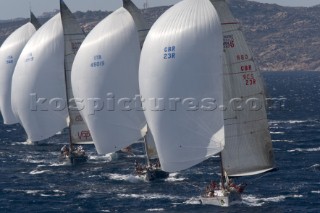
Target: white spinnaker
[(73, 37), (180, 66), (38, 83), (142, 26), (9, 54), (105, 76), (248, 147)]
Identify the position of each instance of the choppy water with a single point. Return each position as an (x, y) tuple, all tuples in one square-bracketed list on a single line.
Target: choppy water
[(33, 180)]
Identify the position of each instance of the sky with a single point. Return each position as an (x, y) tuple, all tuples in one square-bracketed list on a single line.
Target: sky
[(10, 9)]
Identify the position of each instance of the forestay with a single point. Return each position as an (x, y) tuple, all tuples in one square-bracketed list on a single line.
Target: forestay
[(38, 84), (181, 81), (9, 54), (248, 148), (105, 76), (73, 37)]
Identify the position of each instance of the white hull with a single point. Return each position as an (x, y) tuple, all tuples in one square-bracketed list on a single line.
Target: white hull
[(221, 199)]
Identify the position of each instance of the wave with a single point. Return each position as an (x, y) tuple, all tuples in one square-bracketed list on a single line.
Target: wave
[(305, 150), (174, 177), (251, 200), (150, 196), (283, 141), (316, 192), (129, 178), (291, 121), (277, 133), (155, 210), (193, 201), (37, 172), (29, 143), (100, 158)]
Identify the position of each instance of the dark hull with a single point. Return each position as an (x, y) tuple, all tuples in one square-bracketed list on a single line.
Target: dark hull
[(156, 174), (78, 159)]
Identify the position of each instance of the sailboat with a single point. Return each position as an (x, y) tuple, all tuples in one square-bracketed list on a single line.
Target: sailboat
[(152, 169), (189, 36), (9, 54), (248, 146), (105, 78), (79, 133)]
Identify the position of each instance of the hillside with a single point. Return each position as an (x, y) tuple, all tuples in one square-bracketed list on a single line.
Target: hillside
[(282, 38)]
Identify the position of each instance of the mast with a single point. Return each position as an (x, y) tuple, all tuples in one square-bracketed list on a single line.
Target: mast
[(73, 38), (222, 178), (146, 148), (63, 9)]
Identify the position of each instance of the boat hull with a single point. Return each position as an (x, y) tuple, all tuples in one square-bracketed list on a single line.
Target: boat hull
[(156, 174), (78, 159), (223, 200)]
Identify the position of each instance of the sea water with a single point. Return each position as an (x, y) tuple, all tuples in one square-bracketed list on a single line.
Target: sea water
[(33, 180)]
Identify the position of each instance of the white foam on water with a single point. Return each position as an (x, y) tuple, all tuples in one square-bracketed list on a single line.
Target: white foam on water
[(277, 133), (316, 192), (129, 178), (251, 200), (33, 192), (84, 196), (305, 150), (105, 210), (289, 121), (283, 141), (155, 210), (101, 158), (37, 172), (149, 196), (193, 201), (28, 143), (62, 163), (173, 177)]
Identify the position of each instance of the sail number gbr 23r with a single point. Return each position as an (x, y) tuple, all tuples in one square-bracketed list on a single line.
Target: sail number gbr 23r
[(169, 52)]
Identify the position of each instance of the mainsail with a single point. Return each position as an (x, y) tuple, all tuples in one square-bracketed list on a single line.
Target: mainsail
[(180, 81), (105, 78), (248, 147), (73, 37), (38, 85), (9, 54)]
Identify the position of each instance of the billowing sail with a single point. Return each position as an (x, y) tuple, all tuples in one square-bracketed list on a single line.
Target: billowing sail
[(73, 37), (142, 26), (248, 147), (180, 80), (105, 82), (38, 84), (9, 54)]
